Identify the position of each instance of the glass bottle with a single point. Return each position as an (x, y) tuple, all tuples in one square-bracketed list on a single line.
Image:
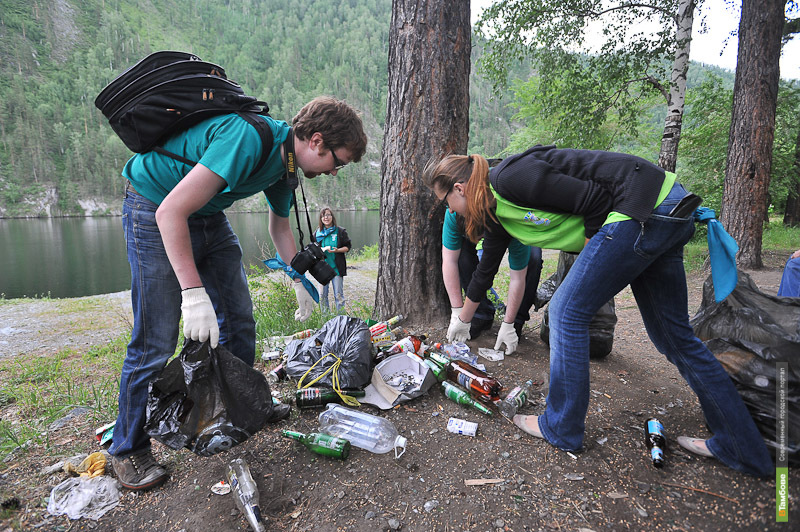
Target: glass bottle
[(372, 433), (318, 397), (323, 444), (245, 493), (278, 373), (655, 440), (515, 399), (409, 344), (461, 396), (473, 379)]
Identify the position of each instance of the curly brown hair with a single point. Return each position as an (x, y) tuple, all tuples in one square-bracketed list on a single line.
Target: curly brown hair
[(339, 124)]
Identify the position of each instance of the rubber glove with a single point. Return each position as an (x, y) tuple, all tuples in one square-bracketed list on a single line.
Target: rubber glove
[(199, 317), (305, 303), (507, 335), (458, 330)]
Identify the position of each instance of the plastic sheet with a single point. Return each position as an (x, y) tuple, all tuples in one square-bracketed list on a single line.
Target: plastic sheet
[(748, 333), (346, 337), (207, 400), (79, 497), (601, 328)]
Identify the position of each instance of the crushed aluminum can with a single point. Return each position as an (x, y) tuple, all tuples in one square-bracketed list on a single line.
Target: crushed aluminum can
[(461, 426)]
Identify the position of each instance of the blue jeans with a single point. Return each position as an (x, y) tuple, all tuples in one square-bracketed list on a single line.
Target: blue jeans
[(649, 257), (338, 294), (156, 300), (790, 280), (467, 263)]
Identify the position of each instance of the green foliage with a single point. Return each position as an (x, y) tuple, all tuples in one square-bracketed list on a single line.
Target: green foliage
[(778, 236), (51, 133)]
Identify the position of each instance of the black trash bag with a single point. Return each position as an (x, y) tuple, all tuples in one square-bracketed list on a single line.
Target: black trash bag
[(749, 314), (347, 338), (601, 328), (748, 333), (207, 400)]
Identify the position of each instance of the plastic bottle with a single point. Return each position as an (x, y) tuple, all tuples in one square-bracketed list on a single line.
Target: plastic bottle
[(655, 440), (323, 444), (473, 379), (245, 493), (410, 344), (458, 351), (372, 433), (515, 399), (318, 397), (461, 396)]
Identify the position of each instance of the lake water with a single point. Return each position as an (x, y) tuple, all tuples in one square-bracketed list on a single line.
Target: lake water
[(72, 257)]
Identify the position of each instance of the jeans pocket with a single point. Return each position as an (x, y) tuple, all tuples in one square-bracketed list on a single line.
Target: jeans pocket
[(660, 234)]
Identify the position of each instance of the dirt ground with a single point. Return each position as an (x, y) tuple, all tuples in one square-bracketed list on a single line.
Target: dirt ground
[(611, 485)]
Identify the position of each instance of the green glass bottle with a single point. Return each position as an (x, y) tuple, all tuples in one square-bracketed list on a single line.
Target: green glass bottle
[(321, 443), (319, 397), (461, 396)]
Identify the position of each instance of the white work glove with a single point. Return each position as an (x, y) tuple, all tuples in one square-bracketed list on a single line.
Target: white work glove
[(458, 330), (327, 248), (199, 318), (507, 335), (305, 303)]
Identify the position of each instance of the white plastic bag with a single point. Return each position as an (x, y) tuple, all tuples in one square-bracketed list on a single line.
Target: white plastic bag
[(84, 497)]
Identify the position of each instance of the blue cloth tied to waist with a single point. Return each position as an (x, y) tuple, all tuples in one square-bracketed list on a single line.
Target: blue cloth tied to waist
[(722, 249)]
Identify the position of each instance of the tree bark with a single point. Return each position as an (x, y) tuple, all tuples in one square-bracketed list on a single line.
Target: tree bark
[(427, 116), (676, 98), (752, 132), (791, 217)]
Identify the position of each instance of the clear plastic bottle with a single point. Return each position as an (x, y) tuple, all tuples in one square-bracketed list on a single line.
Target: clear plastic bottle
[(372, 433), (515, 399), (245, 493)]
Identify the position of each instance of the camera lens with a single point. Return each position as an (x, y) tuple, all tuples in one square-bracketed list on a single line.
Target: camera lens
[(322, 272)]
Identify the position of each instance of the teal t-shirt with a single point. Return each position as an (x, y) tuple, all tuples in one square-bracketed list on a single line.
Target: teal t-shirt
[(331, 240), (228, 146), (518, 253)]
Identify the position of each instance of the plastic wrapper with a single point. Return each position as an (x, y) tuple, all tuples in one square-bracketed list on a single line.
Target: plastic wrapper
[(79, 497), (346, 337), (207, 400), (748, 332), (601, 328)]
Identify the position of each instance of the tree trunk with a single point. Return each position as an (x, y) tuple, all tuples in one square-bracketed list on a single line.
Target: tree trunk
[(791, 217), (427, 116), (755, 93), (677, 87)]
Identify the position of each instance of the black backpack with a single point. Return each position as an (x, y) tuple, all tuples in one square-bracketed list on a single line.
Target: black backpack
[(167, 92)]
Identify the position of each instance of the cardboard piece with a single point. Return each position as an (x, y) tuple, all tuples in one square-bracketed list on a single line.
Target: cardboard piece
[(397, 379)]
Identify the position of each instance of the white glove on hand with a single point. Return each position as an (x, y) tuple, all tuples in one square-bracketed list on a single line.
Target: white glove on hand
[(458, 330), (199, 317), (507, 335), (305, 303)]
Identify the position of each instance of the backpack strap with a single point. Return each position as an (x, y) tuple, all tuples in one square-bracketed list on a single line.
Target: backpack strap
[(264, 131)]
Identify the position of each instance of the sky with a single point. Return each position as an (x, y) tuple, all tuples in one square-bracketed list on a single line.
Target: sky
[(721, 20)]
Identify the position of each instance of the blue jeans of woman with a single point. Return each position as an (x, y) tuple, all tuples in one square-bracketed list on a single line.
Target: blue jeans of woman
[(649, 258), (156, 300), (338, 294)]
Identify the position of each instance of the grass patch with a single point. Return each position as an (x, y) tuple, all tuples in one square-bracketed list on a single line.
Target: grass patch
[(41, 389), (364, 253), (780, 237)]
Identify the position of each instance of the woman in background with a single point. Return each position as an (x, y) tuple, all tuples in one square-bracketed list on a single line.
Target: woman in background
[(335, 243)]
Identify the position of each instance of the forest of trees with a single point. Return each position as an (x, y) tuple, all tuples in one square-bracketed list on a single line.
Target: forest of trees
[(57, 152)]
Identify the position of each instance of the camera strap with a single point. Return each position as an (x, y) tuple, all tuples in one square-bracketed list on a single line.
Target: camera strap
[(290, 164)]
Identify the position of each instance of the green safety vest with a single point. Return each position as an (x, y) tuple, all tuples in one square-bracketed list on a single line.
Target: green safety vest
[(534, 227)]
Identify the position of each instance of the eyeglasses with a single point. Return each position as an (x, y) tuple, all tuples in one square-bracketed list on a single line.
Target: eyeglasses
[(337, 163), (327, 215), (443, 201)]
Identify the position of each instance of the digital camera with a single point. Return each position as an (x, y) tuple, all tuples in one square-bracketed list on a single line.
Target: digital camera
[(312, 259)]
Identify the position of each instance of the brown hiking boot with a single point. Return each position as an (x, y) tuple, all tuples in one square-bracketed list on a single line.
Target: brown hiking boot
[(139, 471)]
